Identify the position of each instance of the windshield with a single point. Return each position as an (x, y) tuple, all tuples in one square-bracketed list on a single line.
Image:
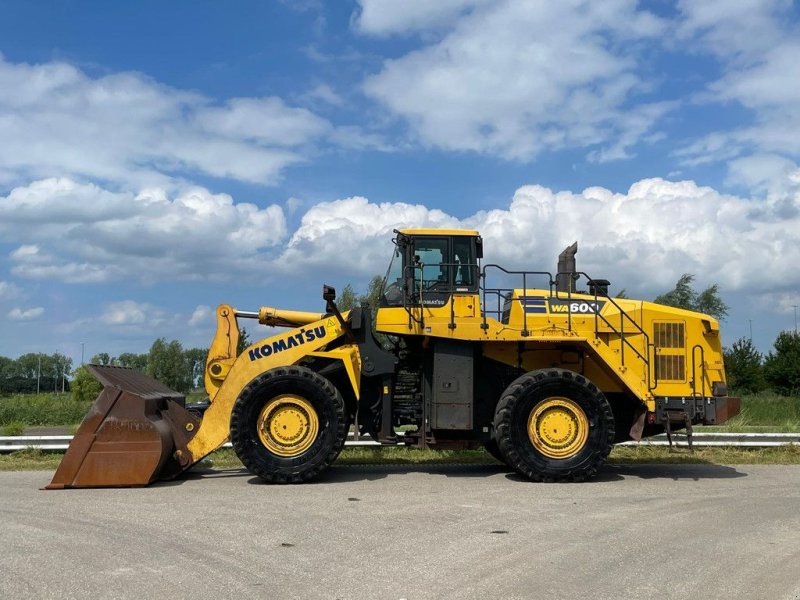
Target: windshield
[(392, 290)]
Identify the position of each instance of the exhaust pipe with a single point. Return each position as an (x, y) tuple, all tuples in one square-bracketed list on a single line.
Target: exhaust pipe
[(565, 274)]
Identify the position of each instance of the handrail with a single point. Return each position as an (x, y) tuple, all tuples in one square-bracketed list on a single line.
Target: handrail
[(525, 332), (702, 371), (624, 316)]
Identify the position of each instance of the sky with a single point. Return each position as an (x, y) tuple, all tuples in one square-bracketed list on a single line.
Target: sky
[(160, 158)]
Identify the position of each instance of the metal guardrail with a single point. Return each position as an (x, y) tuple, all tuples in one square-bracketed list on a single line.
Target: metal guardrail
[(61, 442), (736, 440)]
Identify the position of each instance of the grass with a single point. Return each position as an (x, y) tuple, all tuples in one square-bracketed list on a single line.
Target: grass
[(767, 412), (14, 428), (42, 410), (30, 460), (719, 455), (36, 460), (763, 412)]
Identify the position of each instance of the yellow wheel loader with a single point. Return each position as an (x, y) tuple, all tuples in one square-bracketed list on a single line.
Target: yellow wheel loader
[(546, 371)]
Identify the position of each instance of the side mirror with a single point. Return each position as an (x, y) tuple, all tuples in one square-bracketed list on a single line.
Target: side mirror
[(479, 247), (328, 293)]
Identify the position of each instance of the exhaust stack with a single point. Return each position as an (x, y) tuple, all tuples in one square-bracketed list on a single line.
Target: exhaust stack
[(565, 273)]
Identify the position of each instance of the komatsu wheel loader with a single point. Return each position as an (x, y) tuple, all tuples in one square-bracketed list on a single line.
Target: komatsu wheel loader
[(547, 378)]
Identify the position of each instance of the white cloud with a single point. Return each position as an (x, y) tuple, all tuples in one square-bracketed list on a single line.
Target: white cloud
[(202, 315), (25, 314), (324, 93), (758, 49), (9, 290), (739, 30), (129, 312), (515, 79), (123, 313), (763, 172), (350, 234), (384, 17), (642, 240), (81, 233), (57, 120), (265, 120)]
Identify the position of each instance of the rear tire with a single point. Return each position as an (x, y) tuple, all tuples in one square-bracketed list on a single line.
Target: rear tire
[(554, 425), (290, 399)]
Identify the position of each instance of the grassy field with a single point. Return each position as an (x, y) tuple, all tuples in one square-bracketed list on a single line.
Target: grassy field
[(766, 412), (33, 460), (760, 412), (36, 410)]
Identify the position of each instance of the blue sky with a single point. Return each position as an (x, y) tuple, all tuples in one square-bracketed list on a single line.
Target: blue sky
[(157, 159)]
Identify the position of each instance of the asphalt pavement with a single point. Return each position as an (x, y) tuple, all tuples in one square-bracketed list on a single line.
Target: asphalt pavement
[(389, 532)]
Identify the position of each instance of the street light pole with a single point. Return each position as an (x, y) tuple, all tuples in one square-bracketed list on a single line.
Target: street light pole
[(751, 328), (795, 318), (82, 347)]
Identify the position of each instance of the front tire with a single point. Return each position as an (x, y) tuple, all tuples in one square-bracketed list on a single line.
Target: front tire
[(554, 425), (288, 425)]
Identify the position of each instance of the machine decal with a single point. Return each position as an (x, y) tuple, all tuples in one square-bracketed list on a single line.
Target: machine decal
[(270, 348), (534, 304), (581, 307)]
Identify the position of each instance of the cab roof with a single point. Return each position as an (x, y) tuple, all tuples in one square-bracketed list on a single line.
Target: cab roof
[(470, 232)]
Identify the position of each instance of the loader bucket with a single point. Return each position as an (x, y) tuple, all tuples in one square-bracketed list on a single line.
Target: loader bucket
[(132, 435)]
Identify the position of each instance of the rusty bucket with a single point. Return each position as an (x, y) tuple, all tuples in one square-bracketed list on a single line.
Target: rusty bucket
[(133, 434)]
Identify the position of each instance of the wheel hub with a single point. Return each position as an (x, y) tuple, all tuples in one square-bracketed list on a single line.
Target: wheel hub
[(558, 427), (288, 425)]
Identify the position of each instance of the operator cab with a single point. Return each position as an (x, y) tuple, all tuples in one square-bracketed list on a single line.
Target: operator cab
[(429, 265)]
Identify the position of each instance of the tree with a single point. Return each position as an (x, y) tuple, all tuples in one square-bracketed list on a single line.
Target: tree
[(683, 295), (167, 363), (347, 299), (27, 365), (103, 358), (743, 365), (196, 359), (709, 302), (7, 373), (244, 342), (782, 367), (132, 360), (373, 295), (84, 386), (62, 368)]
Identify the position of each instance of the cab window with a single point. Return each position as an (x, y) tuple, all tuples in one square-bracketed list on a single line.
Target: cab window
[(431, 254), (465, 266)]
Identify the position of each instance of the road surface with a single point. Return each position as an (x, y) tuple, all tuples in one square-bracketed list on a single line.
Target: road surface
[(389, 532)]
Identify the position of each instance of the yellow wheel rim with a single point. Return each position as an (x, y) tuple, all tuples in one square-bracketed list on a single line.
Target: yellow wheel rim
[(288, 425), (558, 427)]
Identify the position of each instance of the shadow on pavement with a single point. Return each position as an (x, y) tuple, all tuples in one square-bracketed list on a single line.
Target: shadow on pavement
[(676, 472), (348, 473)]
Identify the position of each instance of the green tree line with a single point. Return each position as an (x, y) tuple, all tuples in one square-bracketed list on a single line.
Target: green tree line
[(35, 372), (169, 362)]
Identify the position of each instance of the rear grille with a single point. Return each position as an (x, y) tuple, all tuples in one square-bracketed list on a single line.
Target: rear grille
[(671, 367), (670, 335), (670, 342)]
